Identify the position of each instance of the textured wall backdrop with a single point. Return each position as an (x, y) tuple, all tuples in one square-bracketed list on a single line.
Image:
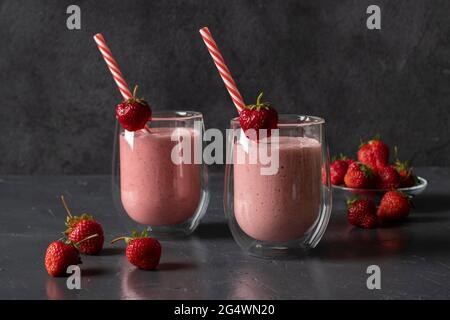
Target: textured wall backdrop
[(312, 57)]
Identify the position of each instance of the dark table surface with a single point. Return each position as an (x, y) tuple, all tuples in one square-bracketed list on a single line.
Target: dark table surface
[(414, 257)]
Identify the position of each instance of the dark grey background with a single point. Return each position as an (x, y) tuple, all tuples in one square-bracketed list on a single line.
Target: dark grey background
[(310, 57)]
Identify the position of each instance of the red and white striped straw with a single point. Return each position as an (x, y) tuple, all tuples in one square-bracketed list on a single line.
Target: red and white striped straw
[(113, 66), (223, 69)]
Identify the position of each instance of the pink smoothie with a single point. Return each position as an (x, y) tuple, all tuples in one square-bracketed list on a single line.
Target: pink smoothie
[(280, 207), (154, 190)]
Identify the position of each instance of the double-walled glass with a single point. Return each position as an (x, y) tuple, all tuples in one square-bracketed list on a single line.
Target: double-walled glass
[(277, 195), (159, 178)]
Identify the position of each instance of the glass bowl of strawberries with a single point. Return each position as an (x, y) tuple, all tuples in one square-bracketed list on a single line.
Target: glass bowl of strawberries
[(372, 175), (415, 190)]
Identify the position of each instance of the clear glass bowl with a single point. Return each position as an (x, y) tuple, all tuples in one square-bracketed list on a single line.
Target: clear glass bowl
[(376, 194)]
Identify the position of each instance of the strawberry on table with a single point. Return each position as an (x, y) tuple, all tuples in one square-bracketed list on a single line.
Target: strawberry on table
[(59, 256), (82, 227), (359, 176), (62, 254), (394, 205), (134, 113), (388, 178), (142, 251), (258, 116), (362, 213), (374, 154)]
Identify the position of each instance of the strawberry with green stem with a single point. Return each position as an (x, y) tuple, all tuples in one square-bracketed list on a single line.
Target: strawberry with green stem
[(374, 153), (338, 169), (256, 117), (362, 212), (62, 254), (81, 227), (142, 251), (134, 113), (405, 171), (394, 206), (359, 176), (388, 178)]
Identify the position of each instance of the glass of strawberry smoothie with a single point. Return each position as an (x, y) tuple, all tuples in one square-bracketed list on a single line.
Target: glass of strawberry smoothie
[(280, 206), (159, 178)]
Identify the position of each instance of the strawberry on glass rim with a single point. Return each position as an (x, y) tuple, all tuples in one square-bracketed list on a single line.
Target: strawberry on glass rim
[(258, 116), (134, 113)]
